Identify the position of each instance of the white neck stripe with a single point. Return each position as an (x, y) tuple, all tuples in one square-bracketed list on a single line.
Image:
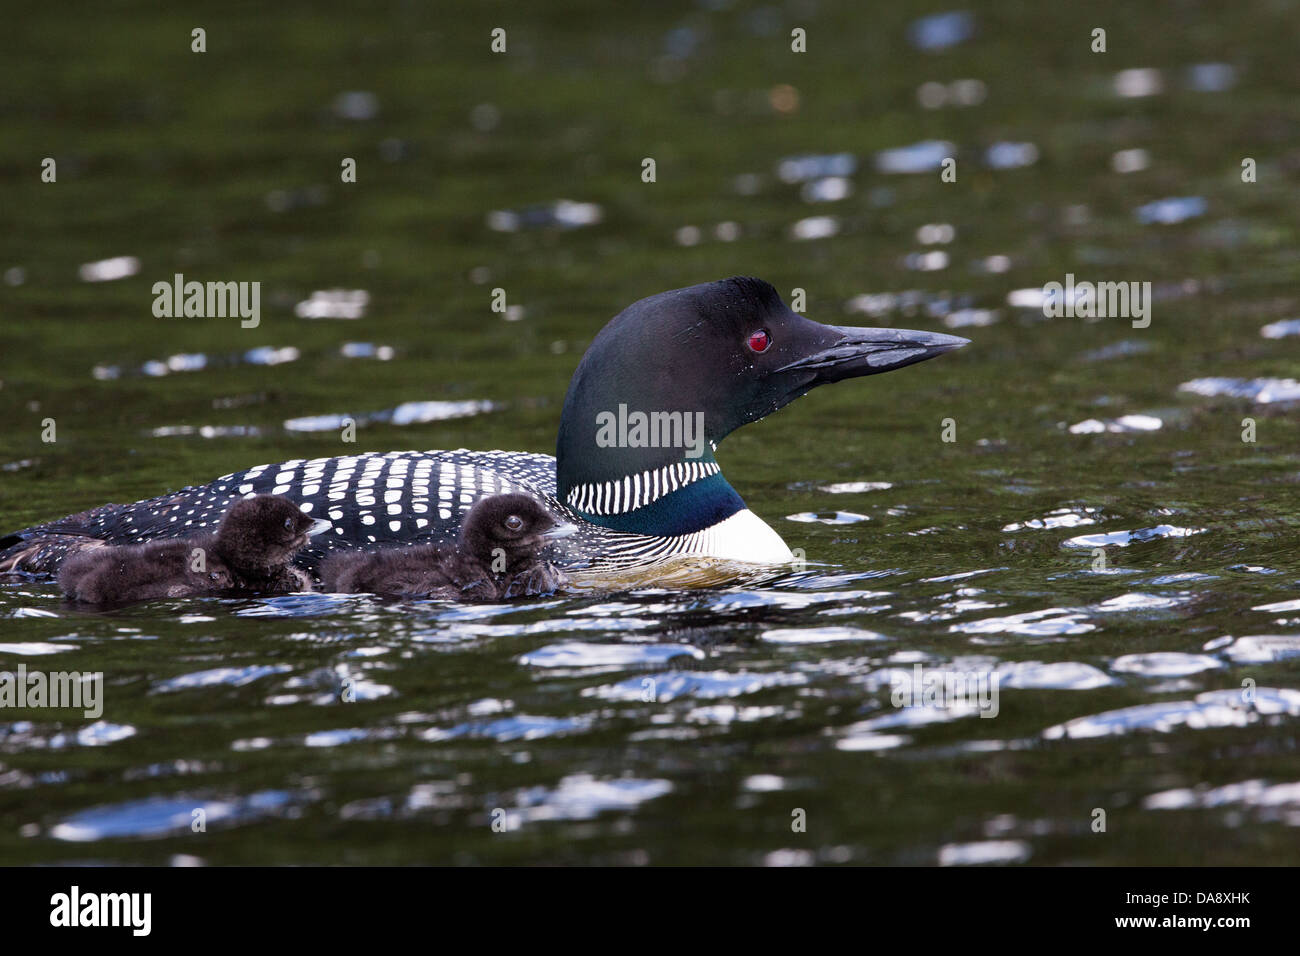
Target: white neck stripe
[(637, 491)]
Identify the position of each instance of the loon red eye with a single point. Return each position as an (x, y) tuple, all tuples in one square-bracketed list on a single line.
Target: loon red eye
[(760, 340)]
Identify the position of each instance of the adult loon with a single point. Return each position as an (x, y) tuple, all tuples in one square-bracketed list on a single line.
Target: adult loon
[(660, 386)]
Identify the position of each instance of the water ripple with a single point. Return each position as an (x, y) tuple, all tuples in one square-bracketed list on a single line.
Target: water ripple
[(1172, 210), (984, 853), (35, 648), (1279, 606), (1122, 539), (922, 157), (671, 685), (1054, 675), (1125, 423), (939, 31), (1274, 802), (1047, 622), (855, 487), (518, 727), (576, 654), (1165, 664), (165, 816), (408, 413), (1060, 518), (582, 797), (1281, 330), (819, 635), (1263, 649), (1221, 708), (24, 735), (1137, 601), (220, 676), (1263, 391)]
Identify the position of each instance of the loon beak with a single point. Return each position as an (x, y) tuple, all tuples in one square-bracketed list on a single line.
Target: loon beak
[(317, 526), (560, 531), (869, 351)]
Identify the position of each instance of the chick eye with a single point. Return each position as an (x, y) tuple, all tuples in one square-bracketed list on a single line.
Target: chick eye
[(288, 524), (759, 341), (514, 523)]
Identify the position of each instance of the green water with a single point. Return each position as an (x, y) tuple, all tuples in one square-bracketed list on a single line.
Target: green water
[(187, 161)]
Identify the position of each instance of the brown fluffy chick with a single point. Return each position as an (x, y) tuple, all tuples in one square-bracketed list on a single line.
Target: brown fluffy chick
[(251, 551), (497, 557)]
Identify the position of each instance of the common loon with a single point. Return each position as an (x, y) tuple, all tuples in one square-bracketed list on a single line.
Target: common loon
[(660, 386), (497, 557), (251, 550)]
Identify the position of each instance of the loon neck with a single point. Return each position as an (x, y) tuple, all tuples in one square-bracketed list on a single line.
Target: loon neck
[(629, 468), (674, 498)]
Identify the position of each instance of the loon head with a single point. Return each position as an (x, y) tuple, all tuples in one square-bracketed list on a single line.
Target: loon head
[(673, 374)]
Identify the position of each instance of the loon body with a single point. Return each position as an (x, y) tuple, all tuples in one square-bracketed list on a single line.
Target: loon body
[(660, 386)]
